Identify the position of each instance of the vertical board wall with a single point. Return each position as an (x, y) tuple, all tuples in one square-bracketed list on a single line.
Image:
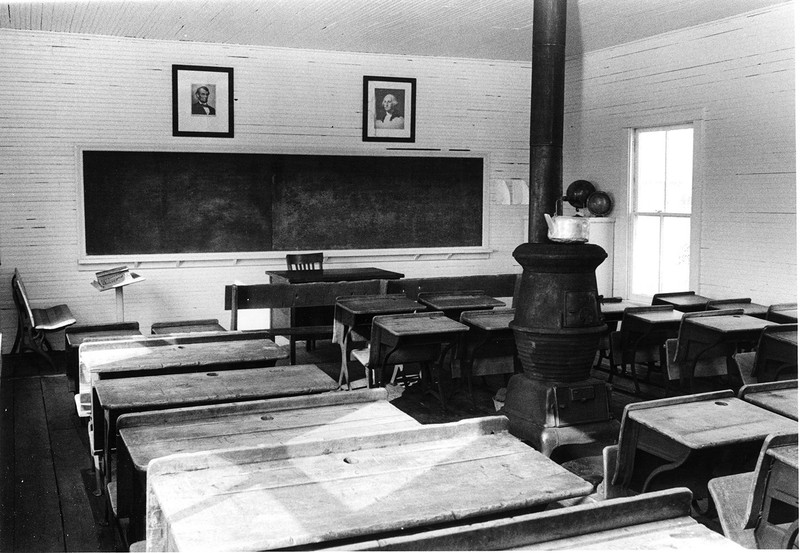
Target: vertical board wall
[(736, 78), (62, 92)]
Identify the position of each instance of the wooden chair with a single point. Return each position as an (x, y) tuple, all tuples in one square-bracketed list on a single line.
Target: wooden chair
[(304, 261), (33, 324), (759, 510)]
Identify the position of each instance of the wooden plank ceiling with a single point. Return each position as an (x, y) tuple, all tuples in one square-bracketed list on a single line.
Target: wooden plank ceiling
[(482, 29)]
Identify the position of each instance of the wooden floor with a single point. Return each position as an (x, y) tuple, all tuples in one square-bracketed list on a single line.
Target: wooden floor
[(46, 500)]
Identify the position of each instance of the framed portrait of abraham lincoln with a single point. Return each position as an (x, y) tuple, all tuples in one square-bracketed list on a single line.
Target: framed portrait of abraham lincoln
[(202, 101), (389, 109)]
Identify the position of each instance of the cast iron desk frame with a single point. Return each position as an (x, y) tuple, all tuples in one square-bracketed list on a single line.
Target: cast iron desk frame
[(413, 330), (653, 325), (691, 435), (488, 328), (355, 314), (706, 333)]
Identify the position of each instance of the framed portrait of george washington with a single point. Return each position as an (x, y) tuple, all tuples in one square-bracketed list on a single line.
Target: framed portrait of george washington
[(389, 109)]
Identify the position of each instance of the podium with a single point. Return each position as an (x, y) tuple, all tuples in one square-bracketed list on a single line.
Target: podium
[(119, 287)]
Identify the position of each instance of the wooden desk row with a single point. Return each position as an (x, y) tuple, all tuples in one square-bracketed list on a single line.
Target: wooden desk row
[(698, 336)]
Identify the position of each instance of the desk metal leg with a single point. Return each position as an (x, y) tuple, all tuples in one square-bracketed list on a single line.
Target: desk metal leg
[(120, 304), (343, 372)]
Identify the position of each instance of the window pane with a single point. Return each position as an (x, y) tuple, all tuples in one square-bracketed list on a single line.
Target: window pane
[(675, 254), (646, 238), (650, 171), (680, 144)]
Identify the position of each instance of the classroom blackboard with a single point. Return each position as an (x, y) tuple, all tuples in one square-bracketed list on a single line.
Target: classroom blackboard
[(185, 202)]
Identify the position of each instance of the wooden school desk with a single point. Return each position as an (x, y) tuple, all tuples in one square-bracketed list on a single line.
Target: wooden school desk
[(776, 355), (112, 398), (642, 329), (456, 302), (174, 353), (759, 509), (412, 331), (613, 308), (686, 302), (783, 313), (779, 397), (702, 334), (488, 337), (354, 314), (287, 422), (319, 492), (684, 441), (333, 275)]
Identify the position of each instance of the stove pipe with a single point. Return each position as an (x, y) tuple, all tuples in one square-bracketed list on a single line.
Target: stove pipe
[(547, 112), (557, 326)]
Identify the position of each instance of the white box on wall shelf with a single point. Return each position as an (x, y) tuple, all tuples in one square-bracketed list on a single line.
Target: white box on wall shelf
[(601, 232)]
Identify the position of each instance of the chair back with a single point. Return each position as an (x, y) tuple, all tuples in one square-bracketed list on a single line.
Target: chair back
[(21, 297), (775, 360), (304, 261)]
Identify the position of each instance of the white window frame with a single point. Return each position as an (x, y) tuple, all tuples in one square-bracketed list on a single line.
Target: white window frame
[(694, 216)]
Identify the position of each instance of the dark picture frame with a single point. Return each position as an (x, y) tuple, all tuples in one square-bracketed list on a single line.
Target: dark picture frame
[(398, 122), (202, 101)]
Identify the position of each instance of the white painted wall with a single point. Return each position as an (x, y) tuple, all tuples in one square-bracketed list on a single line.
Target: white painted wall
[(735, 78), (62, 92)]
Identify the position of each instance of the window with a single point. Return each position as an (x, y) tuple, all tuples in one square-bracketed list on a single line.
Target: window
[(661, 209)]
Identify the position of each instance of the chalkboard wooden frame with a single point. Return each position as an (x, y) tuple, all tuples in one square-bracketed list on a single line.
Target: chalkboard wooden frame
[(479, 248)]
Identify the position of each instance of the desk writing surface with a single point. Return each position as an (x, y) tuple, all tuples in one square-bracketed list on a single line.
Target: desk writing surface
[(683, 302), (784, 337), (785, 316), (781, 401), (658, 317), (351, 310), (290, 421), (334, 275), (251, 500), (730, 324), (452, 301), (749, 308), (489, 320), (208, 387), (421, 324), (612, 311), (786, 454), (712, 423), (155, 353)]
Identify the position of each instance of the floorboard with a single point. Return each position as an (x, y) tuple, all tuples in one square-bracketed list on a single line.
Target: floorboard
[(37, 525), (7, 477)]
